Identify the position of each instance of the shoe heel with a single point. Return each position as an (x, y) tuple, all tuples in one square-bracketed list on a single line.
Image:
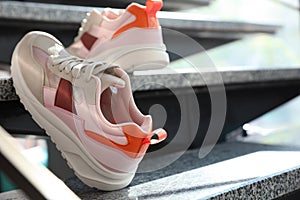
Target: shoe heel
[(143, 59)]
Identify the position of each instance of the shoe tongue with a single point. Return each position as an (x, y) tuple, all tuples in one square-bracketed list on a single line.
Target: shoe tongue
[(95, 17), (58, 50), (110, 13)]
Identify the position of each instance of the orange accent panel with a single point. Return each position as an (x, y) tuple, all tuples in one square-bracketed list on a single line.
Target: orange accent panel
[(145, 16), (136, 145), (141, 20)]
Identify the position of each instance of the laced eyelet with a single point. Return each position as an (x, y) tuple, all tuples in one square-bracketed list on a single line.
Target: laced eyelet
[(79, 69)]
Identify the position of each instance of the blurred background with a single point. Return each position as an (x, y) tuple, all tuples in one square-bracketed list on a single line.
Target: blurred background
[(260, 50), (282, 125)]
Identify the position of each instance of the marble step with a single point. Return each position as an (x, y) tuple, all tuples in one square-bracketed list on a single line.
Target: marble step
[(7, 91), (15, 10), (168, 4), (183, 78), (232, 170)]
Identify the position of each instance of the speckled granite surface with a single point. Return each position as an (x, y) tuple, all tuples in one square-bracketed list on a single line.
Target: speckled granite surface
[(231, 171), (74, 14), (244, 174), (222, 172), (7, 91), (42, 12), (167, 78), (209, 76)]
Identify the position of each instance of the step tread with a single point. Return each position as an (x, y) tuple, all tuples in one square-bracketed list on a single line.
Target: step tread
[(180, 78), (176, 20), (233, 170)]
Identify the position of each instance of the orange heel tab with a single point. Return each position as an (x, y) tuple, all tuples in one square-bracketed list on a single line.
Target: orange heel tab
[(152, 6)]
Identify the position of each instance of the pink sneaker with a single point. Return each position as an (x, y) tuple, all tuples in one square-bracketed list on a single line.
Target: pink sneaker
[(130, 38), (86, 108)]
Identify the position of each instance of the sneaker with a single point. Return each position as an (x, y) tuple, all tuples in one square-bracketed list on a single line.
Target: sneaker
[(130, 38), (87, 109)]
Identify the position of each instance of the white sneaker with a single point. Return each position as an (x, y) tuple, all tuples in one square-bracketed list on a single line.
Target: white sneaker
[(130, 38), (87, 109)]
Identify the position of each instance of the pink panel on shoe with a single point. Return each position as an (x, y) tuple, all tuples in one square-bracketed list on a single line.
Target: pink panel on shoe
[(110, 157), (49, 96), (114, 25), (70, 119), (81, 51), (40, 55), (100, 32), (134, 113), (111, 131), (134, 36), (110, 14)]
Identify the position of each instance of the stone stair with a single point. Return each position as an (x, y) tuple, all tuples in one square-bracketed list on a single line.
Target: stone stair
[(232, 170)]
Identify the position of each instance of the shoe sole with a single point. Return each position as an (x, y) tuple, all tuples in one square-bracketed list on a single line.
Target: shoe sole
[(85, 166)]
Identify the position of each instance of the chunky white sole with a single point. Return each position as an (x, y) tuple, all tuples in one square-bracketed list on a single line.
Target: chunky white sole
[(85, 166)]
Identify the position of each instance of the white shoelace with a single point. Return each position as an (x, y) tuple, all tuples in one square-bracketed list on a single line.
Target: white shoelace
[(76, 66), (72, 68)]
